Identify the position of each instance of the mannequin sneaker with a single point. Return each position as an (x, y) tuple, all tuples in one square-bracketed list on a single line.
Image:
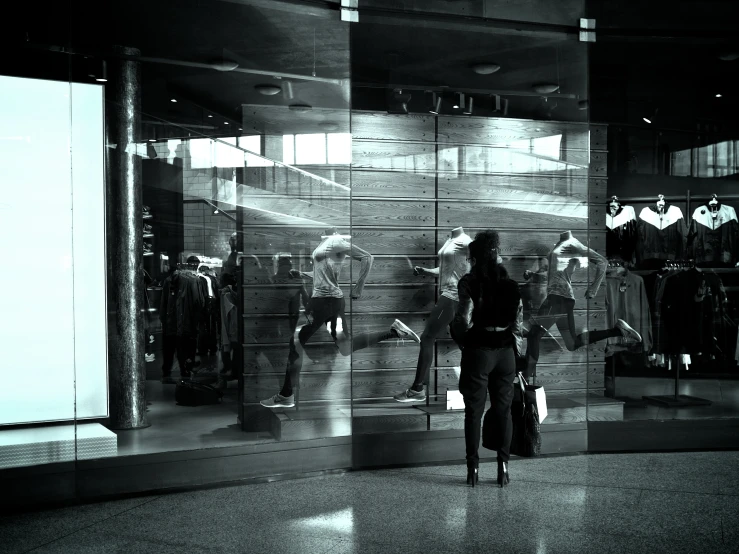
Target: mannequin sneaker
[(409, 395), (279, 401), (627, 331), (149, 357), (403, 331)]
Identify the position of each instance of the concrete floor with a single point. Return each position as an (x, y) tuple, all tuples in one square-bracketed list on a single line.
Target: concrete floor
[(671, 503)]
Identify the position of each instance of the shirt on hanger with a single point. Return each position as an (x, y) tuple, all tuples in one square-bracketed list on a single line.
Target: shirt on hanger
[(621, 233), (714, 235), (626, 298), (661, 235)]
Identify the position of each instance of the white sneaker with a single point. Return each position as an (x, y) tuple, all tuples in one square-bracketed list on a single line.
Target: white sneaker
[(628, 331), (279, 401), (149, 357), (409, 395), (404, 332)]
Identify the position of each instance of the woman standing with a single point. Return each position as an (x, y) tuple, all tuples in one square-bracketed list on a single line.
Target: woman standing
[(487, 327)]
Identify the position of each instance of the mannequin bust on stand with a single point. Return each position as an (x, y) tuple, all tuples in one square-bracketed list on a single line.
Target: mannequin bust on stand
[(713, 238), (453, 264), (620, 230)]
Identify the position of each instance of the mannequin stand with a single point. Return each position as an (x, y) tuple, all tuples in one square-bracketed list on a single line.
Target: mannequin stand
[(677, 400)]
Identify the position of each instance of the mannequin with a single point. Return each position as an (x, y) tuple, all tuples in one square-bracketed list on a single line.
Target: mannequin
[(620, 230), (327, 306), (453, 265), (231, 265), (713, 239), (560, 301), (661, 234)]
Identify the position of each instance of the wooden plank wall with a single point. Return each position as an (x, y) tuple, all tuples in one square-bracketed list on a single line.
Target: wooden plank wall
[(414, 178)]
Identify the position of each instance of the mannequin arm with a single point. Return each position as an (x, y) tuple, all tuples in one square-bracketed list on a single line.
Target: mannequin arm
[(418, 270), (365, 260)]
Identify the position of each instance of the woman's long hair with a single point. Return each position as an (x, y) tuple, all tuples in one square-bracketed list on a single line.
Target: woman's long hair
[(484, 250)]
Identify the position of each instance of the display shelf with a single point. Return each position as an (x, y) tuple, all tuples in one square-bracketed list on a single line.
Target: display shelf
[(146, 254), (147, 216), (148, 235)]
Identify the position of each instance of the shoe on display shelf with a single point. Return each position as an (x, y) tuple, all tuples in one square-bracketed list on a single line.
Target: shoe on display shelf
[(279, 401), (410, 395), (147, 247), (627, 331), (149, 358), (404, 332)]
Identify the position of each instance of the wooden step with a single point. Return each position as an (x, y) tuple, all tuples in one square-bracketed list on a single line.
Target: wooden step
[(318, 420)]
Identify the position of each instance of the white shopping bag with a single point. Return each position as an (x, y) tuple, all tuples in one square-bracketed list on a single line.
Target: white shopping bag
[(454, 400), (541, 403)]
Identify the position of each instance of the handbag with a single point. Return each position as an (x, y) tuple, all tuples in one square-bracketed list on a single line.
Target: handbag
[(526, 441)]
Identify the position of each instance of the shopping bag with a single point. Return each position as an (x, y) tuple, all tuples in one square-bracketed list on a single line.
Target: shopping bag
[(526, 440)]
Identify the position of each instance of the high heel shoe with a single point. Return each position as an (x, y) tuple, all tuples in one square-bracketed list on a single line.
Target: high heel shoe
[(472, 476), (503, 477)]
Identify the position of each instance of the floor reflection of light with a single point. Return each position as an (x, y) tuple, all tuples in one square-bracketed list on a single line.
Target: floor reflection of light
[(456, 517), (337, 522)]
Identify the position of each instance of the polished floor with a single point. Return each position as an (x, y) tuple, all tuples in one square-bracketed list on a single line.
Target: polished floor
[(723, 393), (672, 503)]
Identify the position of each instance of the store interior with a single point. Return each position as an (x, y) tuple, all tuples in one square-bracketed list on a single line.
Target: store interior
[(267, 138)]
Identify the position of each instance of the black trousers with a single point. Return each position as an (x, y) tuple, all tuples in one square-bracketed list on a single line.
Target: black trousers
[(185, 347), (487, 370)]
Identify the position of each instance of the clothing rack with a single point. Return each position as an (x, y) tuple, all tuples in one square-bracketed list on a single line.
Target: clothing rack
[(676, 400)]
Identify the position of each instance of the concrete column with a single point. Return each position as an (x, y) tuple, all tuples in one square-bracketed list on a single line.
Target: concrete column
[(127, 379)]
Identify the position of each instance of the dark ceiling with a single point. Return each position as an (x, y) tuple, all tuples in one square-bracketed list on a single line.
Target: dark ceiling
[(305, 49)]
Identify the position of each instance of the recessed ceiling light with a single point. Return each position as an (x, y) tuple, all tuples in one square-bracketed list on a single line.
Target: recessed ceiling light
[(210, 116), (729, 56), (224, 65), (329, 126), (485, 68), (173, 100), (101, 80), (240, 129), (267, 90), (152, 140), (647, 120), (300, 108), (719, 95), (545, 88), (225, 122)]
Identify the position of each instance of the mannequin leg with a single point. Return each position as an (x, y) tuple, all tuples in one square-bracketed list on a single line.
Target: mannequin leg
[(440, 318)]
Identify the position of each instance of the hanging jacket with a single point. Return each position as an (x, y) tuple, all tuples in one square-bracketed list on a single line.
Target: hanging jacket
[(182, 303), (687, 311), (621, 233), (661, 236), (714, 236), (626, 298)]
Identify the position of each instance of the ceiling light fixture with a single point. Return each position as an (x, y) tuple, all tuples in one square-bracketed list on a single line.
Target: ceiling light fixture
[(224, 65), (300, 108), (468, 110), (174, 100), (210, 115), (329, 126), (268, 90), (215, 212), (729, 56), (225, 122), (719, 95), (500, 105), (647, 120), (458, 100), (545, 88), (288, 90), (104, 76), (485, 68)]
